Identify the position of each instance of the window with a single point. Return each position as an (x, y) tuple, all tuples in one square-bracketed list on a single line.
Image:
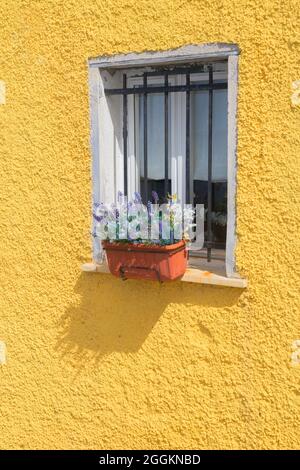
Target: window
[(166, 122)]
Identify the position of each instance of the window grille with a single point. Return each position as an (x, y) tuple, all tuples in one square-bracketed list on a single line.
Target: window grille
[(166, 88)]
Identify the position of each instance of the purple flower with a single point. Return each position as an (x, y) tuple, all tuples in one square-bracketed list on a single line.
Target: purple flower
[(96, 205), (155, 197), (137, 198), (99, 218), (98, 211)]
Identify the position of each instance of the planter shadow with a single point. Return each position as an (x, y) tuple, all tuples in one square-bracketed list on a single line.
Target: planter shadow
[(112, 316)]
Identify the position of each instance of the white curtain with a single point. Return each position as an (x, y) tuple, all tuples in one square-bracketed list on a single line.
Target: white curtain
[(155, 136), (199, 135)]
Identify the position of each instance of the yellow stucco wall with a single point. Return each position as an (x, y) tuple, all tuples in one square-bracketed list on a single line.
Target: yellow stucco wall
[(96, 363)]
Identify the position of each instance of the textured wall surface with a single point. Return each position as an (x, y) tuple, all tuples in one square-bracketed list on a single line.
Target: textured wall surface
[(96, 363)]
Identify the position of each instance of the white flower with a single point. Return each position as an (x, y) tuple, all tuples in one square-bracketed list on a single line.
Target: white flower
[(100, 231)]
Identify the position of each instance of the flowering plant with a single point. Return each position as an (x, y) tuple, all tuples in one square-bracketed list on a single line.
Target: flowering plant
[(133, 222)]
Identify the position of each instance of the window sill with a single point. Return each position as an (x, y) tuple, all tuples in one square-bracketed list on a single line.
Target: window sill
[(198, 271)]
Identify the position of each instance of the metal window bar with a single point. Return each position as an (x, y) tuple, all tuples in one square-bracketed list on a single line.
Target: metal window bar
[(145, 189), (166, 134), (125, 136), (187, 141), (166, 89), (161, 89)]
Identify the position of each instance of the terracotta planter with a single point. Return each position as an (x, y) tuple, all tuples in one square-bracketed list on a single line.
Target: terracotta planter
[(153, 262)]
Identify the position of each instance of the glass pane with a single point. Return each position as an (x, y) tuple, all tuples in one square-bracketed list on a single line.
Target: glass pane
[(199, 134), (199, 155), (155, 145)]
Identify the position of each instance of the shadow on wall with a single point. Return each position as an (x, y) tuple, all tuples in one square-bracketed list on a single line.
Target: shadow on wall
[(116, 316)]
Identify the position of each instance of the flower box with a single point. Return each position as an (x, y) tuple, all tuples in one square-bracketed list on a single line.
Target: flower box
[(146, 261)]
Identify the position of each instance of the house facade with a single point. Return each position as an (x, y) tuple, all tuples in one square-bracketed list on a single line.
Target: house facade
[(88, 361)]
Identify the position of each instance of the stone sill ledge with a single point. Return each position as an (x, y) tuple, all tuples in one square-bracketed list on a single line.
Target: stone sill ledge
[(192, 274)]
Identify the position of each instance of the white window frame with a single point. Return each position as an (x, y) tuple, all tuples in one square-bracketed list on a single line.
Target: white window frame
[(105, 134)]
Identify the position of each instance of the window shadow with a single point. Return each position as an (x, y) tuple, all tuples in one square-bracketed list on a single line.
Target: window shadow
[(110, 315)]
